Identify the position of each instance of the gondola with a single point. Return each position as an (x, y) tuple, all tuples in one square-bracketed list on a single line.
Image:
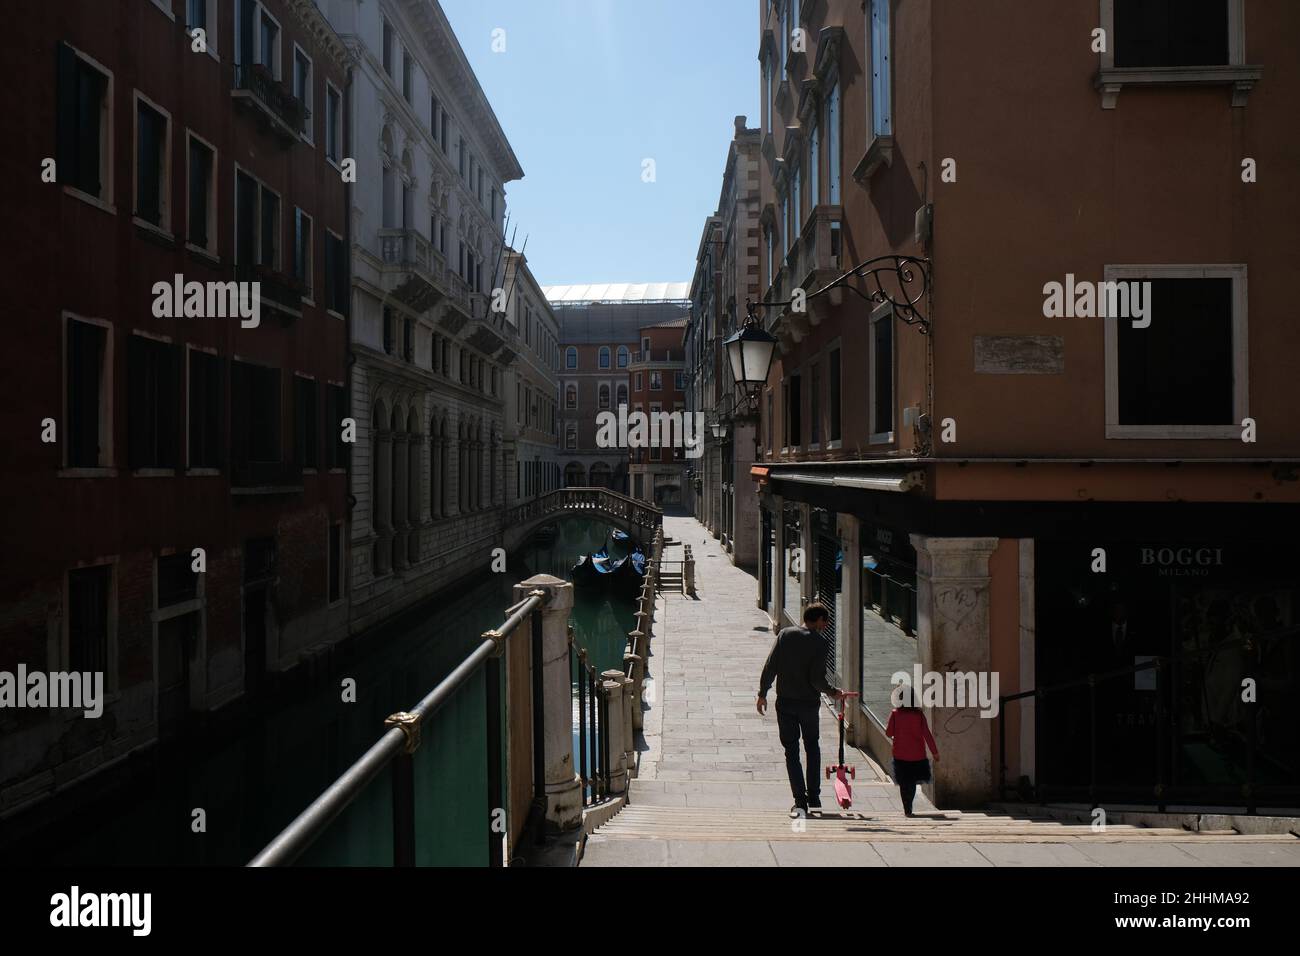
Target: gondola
[(621, 576)]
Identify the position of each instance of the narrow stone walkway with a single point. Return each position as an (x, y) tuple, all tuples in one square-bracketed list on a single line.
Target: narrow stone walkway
[(712, 787)]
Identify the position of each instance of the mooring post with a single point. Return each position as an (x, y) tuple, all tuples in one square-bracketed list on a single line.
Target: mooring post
[(629, 735), (562, 784), (636, 670), (616, 770)]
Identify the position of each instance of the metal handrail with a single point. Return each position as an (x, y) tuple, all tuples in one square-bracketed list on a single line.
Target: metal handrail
[(400, 741)]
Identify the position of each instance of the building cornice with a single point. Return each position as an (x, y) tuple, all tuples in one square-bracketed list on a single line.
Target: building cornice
[(445, 50), (311, 19)]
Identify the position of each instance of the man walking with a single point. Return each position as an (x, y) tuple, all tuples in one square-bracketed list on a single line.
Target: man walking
[(798, 665)]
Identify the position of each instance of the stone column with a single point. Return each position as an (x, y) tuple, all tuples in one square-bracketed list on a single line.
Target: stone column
[(623, 742), (435, 502), (401, 476), (952, 600), (563, 787), (415, 498), (382, 480), (745, 522), (444, 477), (632, 661), (613, 688)]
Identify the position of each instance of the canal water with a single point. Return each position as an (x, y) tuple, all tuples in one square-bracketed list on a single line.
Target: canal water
[(250, 788)]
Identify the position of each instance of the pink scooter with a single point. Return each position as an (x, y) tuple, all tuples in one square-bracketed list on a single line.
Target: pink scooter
[(843, 790)]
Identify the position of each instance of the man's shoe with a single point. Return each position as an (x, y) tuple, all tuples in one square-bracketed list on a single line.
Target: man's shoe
[(798, 812), (815, 803)]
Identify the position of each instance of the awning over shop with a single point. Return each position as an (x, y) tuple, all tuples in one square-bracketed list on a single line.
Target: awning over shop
[(912, 480)]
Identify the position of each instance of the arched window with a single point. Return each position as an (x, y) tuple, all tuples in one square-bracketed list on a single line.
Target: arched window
[(574, 476), (622, 395), (571, 396), (603, 396), (604, 356), (623, 356), (571, 357)]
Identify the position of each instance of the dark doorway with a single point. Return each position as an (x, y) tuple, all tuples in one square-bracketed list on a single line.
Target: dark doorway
[(177, 638), (254, 639)]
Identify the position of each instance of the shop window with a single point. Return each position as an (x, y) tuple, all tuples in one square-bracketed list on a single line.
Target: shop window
[(794, 559), (889, 613)]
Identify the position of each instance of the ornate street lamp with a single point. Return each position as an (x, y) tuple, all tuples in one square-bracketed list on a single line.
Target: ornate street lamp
[(899, 280), (720, 428), (750, 353)]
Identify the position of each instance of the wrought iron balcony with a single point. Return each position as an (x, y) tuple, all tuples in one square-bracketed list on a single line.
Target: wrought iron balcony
[(279, 294), (282, 112), (658, 356)]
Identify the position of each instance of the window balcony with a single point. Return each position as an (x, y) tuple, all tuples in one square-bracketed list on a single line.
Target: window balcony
[(457, 295), (280, 295), (658, 356), (414, 272), (280, 111), (819, 262), (265, 477)]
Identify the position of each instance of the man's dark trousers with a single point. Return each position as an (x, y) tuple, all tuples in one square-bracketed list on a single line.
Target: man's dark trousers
[(795, 718)]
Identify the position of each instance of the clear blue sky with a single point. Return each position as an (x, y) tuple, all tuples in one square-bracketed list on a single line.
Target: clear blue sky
[(586, 90)]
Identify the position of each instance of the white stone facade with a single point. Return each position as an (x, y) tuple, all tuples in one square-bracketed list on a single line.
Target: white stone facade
[(532, 392), (427, 250)]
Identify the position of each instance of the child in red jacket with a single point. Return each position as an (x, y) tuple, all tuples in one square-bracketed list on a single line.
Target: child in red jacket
[(910, 734)]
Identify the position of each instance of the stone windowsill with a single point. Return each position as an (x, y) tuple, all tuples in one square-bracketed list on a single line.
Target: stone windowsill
[(879, 153), (1242, 78)]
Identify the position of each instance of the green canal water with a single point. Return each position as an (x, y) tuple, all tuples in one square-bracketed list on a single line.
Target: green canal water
[(252, 787)]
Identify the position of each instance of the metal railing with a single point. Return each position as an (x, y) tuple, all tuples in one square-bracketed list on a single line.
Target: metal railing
[(398, 745), (276, 99), (593, 724), (894, 597)]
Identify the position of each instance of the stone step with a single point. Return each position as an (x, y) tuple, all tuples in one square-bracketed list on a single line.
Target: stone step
[(680, 823)]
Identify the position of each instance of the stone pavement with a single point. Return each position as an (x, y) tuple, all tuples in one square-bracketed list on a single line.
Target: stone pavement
[(712, 788)]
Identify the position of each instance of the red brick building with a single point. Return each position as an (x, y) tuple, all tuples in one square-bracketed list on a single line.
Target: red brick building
[(599, 338), (989, 485), (658, 371), (155, 140)]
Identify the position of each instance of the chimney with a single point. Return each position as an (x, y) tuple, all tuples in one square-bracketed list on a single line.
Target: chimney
[(740, 125)]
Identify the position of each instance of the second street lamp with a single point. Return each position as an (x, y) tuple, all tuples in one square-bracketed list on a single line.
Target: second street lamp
[(750, 353)]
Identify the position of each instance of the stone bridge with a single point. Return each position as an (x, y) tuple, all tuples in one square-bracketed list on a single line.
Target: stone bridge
[(638, 518)]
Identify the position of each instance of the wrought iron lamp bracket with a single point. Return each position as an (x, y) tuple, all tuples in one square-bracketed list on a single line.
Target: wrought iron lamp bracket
[(910, 277)]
